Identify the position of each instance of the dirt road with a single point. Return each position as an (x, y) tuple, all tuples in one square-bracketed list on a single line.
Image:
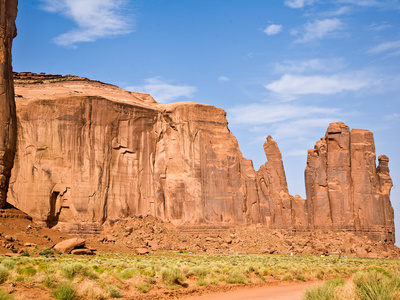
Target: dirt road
[(287, 291)]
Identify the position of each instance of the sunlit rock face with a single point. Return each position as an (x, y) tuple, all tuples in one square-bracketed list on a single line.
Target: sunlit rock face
[(345, 190), (90, 152), (8, 124)]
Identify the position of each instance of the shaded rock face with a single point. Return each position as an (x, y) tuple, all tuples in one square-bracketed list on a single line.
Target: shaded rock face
[(345, 189), (8, 124)]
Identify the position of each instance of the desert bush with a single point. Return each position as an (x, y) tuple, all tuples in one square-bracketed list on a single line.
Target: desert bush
[(64, 291), (171, 276), (114, 291), (69, 271), (300, 277), (235, 277), (143, 287), (200, 271), (91, 291), (377, 285), (325, 291), (4, 273), (9, 264), (202, 281), (128, 273), (4, 296), (28, 271)]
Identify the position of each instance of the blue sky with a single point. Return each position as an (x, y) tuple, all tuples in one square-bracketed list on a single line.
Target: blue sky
[(280, 68)]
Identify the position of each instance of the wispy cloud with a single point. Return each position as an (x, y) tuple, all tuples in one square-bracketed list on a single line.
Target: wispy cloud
[(393, 48), (163, 91), (298, 3), (291, 86), (310, 65), (294, 123), (273, 29), (95, 19), (223, 79), (262, 113), (320, 29)]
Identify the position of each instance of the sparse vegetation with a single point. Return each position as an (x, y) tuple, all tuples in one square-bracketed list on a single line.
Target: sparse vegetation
[(105, 275)]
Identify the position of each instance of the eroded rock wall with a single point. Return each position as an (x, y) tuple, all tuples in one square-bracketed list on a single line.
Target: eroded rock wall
[(345, 190), (8, 124), (88, 159)]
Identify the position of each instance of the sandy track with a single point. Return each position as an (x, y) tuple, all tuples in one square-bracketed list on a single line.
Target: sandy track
[(287, 291)]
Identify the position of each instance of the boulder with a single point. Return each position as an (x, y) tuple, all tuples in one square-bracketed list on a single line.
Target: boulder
[(142, 251), (68, 245)]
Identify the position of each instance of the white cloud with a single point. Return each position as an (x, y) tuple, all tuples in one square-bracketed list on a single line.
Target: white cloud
[(223, 79), (298, 3), (259, 113), (290, 86), (393, 47), (273, 29), (95, 19), (162, 91), (311, 65), (320, 29)]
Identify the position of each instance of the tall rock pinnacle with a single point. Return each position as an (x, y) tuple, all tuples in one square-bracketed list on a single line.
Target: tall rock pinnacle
[(345, 190), (8, 119)]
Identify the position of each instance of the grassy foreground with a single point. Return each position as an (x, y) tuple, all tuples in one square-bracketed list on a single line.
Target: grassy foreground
[(120, 275)]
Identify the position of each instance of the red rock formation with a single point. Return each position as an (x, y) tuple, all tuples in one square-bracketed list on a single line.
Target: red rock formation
[(275, 200), (88, 152), (8, 124), (344, 188)]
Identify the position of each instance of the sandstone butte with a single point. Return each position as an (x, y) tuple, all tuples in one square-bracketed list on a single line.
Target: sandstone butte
[(88, 152)]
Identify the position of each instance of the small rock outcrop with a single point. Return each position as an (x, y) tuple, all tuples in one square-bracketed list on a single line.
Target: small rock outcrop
[(345, 190), (8, 120)]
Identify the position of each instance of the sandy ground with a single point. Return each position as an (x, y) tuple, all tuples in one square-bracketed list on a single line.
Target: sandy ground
[(287, 291)]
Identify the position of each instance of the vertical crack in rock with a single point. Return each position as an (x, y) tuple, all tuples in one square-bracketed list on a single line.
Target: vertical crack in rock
[(8, 120)]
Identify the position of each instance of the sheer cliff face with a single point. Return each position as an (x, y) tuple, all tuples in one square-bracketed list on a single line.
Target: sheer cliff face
[(8, 124), (344, 188), (88, 152), (84, 158)]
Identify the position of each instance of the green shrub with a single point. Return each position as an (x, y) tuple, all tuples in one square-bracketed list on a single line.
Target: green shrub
[(28, 271), (300, 277), (114, 292), (202, 281), (46, 252), (320, 292), (200, 271), (143, 287), (128, 273), (171, 276), (3, 274), (69, 271), (64, 291), (235, 277), (4, 296), (9, 264), (376, 285), (325, 291)]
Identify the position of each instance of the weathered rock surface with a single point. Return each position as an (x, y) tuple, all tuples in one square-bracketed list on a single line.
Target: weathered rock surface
[(88, 152), (344, 188), (8, 121)]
